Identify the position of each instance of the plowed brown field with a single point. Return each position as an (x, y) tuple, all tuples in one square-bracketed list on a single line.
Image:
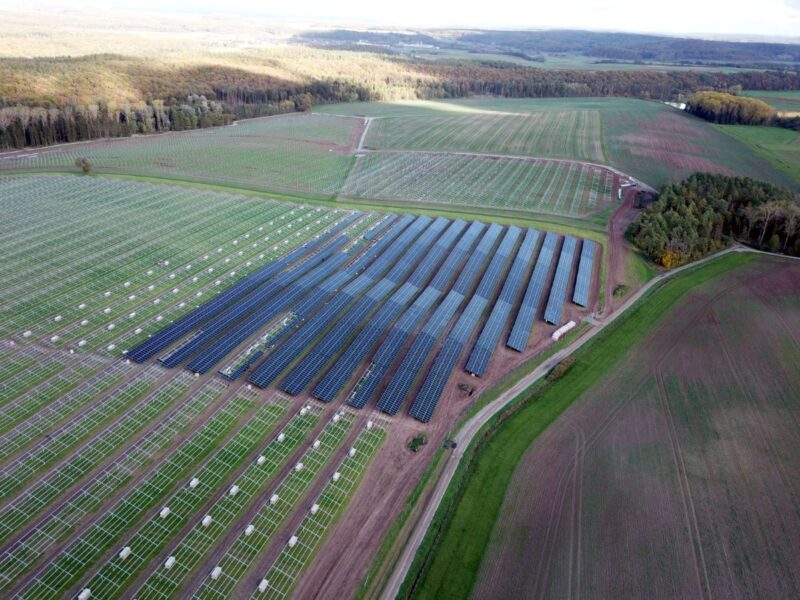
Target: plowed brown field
[(679, 475)]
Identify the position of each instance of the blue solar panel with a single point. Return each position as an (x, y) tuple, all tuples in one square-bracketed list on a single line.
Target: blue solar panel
[(303, 297), (498, 263), (242, 330), (300, 340), (240, 310), (378, 229), (487, 341), (405, 375), (583, 283), (333, 382), (332, 342), (529, 308), (475, 264), (401, 382), (558, 291), (210, 309), (433, 386)]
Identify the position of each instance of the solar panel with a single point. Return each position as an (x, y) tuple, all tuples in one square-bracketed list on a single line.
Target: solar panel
[(490, 334), (303, 298), (521, 331), (301, 338), (240, 310), (335, 379), (558, 291), (435, 381), (584, 279), (405, 375), (208, 310), (332, 342)]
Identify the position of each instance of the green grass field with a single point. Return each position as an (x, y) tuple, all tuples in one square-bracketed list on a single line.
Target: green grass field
[(292, 153), (557, 134), (648, 140), (779, 146), (558, 188), (782, 101), (477, 492)]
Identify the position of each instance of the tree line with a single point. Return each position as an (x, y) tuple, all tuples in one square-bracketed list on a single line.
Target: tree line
[(168, 99), (707, 212)]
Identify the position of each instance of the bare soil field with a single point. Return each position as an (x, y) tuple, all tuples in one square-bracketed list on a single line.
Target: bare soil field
[(678, 476)]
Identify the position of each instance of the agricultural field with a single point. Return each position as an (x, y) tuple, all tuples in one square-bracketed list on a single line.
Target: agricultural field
[(646, 140), (555, 134), (291, 153), (780, 146), (780, 101), (671, 470), (188, 402), (542, 186)]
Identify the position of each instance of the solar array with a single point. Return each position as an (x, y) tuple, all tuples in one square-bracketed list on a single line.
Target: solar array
[(300, 377), (277, 362), (366, 312), (335, 379), (520, 333), (214, 306), (432, 388), (413, 361), (482, 350), (584, 279), (558, 291)]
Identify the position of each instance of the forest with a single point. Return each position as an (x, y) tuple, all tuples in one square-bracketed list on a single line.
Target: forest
[(730, 110), (707, 212), (65, 99)]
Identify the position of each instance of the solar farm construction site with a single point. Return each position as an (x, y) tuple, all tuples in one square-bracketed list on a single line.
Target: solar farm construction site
[(196, 385)]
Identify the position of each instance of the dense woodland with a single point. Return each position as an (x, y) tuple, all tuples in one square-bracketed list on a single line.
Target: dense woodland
[(628, 47), (730, 110), (706, 213), (53, 100)]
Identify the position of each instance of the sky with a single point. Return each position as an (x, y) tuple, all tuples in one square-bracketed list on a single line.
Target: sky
[(714, 17)]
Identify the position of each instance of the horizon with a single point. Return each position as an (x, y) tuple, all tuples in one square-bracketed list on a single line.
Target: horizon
[(773, 21)]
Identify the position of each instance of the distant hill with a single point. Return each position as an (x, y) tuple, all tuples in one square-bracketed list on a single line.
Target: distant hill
[(604, 46)]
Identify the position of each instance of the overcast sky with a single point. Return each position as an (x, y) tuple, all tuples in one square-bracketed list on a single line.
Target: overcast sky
[(749, 17)]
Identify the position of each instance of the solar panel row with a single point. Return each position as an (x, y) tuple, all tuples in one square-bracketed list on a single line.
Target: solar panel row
[(444, 276), (404, 377), (518, 339), (206, 311), (307, 294), (237, 333), (301, 338), (584, 279), (333, 382), (433, 386), (487, 341), (499, 262), (336, 337), (244, 307), (379, 228), (474, 265), (558, 291)]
